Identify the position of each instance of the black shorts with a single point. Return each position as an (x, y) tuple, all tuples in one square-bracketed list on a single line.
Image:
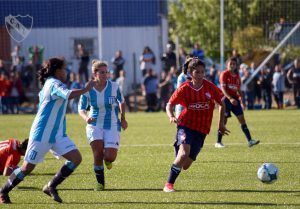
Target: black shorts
[(187, 136), (236, 109)]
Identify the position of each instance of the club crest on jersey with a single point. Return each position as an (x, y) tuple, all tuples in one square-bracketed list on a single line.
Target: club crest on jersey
[(208, 96), (111, 100), (199, 106)]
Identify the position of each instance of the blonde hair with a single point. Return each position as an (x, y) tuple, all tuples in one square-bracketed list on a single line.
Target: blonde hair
[(98, 63)]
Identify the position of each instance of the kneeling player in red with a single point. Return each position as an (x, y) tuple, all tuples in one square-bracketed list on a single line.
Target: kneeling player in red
[(11, 151), (198, 97)]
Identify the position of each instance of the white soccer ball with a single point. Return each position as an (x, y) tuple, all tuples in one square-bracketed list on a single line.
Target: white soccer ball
[(267, 173)]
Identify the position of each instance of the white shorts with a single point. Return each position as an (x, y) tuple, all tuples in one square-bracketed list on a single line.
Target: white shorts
[(37, 150), (111, 138)]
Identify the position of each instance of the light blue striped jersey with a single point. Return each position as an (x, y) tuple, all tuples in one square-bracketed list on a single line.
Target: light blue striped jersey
[(104, 106), (180, 80), (50, 123)]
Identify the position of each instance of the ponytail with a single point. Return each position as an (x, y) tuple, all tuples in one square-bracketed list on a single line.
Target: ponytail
[(49, 68)]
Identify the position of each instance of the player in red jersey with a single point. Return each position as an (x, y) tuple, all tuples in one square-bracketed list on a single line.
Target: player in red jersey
[(198, 98), (230, 84), (11, 151)]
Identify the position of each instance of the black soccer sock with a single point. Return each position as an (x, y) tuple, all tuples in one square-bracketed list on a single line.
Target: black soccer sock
[(99, 171), (219, 137), (246, 132), (62, 174), (174, 173), (14, 179)]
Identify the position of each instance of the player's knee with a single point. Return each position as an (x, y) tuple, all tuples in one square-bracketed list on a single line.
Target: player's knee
[(183, 156), (110, 157)]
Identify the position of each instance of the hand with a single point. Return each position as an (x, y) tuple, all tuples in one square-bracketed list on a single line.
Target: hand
[(124, 124), (173, 119), (89, 85), (233, 101), (223, 130), (90, 120)]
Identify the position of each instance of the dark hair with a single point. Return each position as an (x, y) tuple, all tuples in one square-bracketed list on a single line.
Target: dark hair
[(232, 59), (49, 68), (23, 145), (191, 63)]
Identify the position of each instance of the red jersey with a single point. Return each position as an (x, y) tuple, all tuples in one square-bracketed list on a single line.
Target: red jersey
[(198, 105), (9, 154), (231, 83)]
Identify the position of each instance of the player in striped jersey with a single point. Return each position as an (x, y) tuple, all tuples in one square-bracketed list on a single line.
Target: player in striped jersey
[(103, 125), (48, 130), (231, 87), (182, 78), (11, 151), (198, 97)]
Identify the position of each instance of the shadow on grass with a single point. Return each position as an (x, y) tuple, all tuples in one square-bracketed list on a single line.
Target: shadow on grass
[(297, 192), (176, 203)]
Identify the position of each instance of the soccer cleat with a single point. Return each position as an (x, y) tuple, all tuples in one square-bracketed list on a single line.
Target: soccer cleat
[(108, 165), (253, 142), (169, 188), (99, 187), (4, 199), (219, 145), (52, 192)]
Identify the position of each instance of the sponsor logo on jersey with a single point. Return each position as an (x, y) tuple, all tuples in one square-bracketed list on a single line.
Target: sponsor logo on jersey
[(199, 106)]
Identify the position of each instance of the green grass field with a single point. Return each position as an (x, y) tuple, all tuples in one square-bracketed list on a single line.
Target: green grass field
[(220, 178)]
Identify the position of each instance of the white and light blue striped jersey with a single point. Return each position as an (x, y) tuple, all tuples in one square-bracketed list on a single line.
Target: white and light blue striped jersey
[(50, 123), (180, 80), (104, 106)]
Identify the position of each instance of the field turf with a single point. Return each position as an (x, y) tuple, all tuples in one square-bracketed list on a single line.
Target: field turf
[(220, 178)]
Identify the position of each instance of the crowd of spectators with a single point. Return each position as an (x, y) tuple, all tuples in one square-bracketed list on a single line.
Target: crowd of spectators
[(270, 84)]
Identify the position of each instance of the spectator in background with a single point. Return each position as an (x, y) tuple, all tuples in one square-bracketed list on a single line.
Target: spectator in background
[(118, 64), (27, 75), (165, 88), (237, 56), (16, 56), (265, 81), (4, 85), (36, 56), (198, 52), (275, 35), (147, 60), (16, 92), (84, 58), (2, 68), (212, 76), (149, 88), (278, 86), (124, 88), (293, 76), (249, 88), (182, 57), (257, 89), (75, 83), (168, 59)]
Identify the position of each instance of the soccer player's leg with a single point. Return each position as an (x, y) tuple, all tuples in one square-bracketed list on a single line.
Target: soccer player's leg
[(98, 154), (183, 141), (35, 154), (228, 107), (238, 111), (64, 147), (111, 146), (196, 146), (95, 138), (14, 179)]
